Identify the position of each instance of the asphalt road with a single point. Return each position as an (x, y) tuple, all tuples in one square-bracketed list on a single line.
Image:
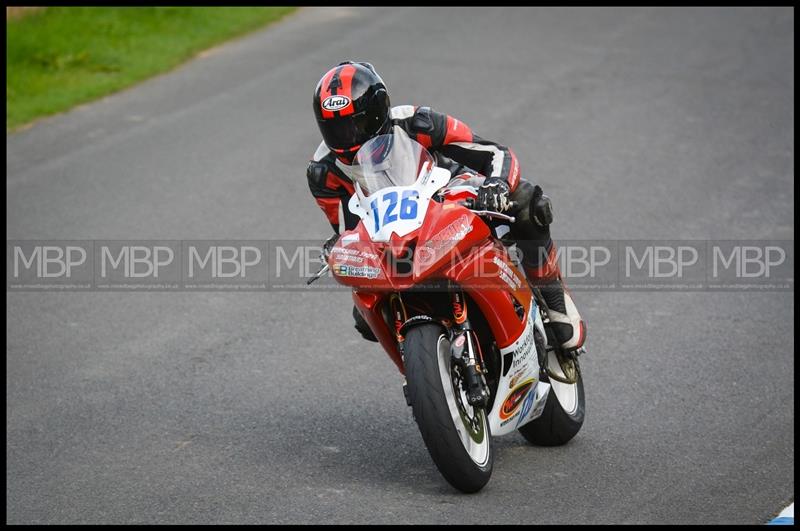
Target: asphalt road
[(269, 408)]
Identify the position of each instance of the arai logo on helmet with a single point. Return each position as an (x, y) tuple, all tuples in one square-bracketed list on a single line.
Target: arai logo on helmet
[(335, 103)]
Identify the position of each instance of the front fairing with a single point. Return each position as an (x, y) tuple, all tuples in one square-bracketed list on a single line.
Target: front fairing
[(397, 211)]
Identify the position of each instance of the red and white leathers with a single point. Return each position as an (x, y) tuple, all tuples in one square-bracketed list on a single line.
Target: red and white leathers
[(464, 154)]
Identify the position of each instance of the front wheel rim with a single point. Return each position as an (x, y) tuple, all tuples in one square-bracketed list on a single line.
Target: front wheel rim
[(470, 423)]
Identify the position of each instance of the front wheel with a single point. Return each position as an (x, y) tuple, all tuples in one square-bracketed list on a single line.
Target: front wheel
[(456, 434), (565, 409)]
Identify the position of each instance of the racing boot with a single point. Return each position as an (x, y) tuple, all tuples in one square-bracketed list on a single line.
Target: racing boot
[(565, 321)]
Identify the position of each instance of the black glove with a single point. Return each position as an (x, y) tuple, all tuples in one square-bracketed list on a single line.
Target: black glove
[(493, 195), (328, 246), (541, 209)]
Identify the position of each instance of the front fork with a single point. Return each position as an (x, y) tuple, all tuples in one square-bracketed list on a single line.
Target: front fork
[(466, 353), (465, 350)]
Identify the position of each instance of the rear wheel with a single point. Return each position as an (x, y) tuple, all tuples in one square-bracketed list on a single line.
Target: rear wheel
[(565, 409), (456, 434)]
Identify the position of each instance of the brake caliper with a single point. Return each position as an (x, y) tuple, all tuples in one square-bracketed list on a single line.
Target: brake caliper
[(463, 355)]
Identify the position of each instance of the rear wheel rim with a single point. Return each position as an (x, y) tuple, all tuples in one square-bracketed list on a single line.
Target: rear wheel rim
[(470, 423), (567, 394)]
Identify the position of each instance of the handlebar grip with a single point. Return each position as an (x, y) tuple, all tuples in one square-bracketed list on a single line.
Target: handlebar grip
[(318, 274)]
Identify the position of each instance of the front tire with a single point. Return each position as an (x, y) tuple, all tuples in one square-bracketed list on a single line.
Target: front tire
[(457, 436)]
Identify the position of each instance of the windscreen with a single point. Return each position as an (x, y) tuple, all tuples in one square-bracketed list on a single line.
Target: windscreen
[(391, 160)]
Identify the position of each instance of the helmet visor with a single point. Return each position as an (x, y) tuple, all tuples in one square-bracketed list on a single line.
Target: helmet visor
[(348, 132)]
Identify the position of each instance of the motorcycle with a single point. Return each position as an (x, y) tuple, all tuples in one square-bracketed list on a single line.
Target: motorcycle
[(448, 301)]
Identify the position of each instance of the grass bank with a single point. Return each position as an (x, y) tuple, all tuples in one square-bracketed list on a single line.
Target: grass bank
[(60, 57)]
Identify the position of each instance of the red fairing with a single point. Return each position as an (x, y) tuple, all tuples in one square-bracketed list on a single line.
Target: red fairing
[(370, 304), (452, 244), (456, 245), (358, 262), (452, 231), (494, 282)]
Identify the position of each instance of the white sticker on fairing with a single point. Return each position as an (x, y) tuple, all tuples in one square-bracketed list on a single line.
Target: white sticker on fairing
[(505, 273), (397, 209), (346, 255), (335, 103), (520, 395), (524, 348), (350, 238)]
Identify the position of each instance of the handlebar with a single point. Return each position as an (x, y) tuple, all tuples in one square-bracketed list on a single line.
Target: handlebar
[(488, 213), (318, 274), (492, 214)]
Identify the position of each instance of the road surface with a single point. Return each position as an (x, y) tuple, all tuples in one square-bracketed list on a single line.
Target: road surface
[(267, 407)]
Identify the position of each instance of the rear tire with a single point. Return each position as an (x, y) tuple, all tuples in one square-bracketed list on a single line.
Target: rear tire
[(457, 436), (556, 426)]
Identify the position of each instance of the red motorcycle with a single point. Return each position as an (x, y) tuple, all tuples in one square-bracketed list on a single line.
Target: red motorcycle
[(445, 297)]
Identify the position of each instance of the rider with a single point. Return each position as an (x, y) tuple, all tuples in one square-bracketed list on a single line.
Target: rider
[(351, 105)]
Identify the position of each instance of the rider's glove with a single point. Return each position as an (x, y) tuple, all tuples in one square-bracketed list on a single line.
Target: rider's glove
[(327, 247), (493, 195)]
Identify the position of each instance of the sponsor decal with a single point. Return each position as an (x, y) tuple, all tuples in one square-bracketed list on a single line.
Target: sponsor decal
[(526, 406), (350, 238), (517, 377), (524, 347), (346, 270), (459, 341), (514, 399), (354, 255), (414, 319), (346, 255), (542, 402), (506, 274), (425, 254), (335, 103), (444, 240)]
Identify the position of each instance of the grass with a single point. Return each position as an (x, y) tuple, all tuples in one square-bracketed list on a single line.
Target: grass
[(60, 57)]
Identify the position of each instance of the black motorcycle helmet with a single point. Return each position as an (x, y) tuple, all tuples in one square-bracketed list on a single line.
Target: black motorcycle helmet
[(351, 104)]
